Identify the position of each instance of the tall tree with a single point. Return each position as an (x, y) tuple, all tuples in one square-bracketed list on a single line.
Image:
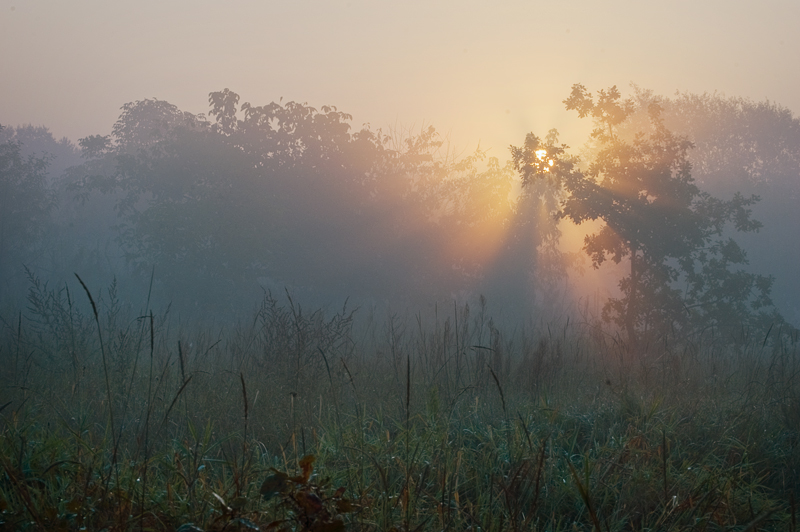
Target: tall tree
[(288, 195), (25, 206), (532, 263), (39, 142), (190, 202), (747, 146), (683, 273)]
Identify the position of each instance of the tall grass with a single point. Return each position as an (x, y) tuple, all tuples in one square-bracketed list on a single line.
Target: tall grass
[(112, 419)]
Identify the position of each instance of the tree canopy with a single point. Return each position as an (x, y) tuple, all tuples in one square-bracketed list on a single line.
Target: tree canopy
[(25, 206), (746, 146), (684, 273), (288, 195)]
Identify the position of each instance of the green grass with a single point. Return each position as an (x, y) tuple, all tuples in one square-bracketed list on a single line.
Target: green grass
[(119, 421)]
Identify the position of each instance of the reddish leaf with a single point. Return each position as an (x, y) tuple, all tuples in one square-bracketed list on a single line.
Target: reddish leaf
[(274, 485), (310, 502), (307, 464), (344, 506), (330, 526)]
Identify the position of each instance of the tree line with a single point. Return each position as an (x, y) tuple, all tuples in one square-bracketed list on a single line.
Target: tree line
[(250, 198)]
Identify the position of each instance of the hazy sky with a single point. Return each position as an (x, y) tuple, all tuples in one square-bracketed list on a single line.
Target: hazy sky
[(478, 71)]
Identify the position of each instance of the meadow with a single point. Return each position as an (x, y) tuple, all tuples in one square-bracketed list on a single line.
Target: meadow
[(350, 420)]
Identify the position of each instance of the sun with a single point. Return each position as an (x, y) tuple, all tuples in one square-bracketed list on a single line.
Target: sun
[(546, 163)]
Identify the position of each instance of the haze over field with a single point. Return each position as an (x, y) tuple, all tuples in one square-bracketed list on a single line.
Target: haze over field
[(399, 265), (483, 74)]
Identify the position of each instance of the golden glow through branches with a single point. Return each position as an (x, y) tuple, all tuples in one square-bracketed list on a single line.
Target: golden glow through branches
[(546, 163)]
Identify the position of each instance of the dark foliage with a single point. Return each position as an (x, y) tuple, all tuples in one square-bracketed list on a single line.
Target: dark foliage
[(25, 207), (685, 273)]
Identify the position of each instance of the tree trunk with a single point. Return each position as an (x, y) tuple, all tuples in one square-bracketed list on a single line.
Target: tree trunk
[(630, 315)]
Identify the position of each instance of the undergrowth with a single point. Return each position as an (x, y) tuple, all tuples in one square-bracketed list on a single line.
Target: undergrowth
[(113, 420)]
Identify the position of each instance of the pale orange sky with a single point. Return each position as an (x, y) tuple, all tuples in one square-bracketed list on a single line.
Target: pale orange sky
[(485, 72)]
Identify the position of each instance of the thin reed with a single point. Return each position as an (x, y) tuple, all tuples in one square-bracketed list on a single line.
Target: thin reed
[(310, 421)]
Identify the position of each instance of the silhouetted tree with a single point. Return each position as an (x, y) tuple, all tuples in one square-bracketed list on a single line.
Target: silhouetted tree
[(531, 263), (39, 142), (683, 273), (25, 206), (78, 234), (190, 202), (285, 194), (752, 147)]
